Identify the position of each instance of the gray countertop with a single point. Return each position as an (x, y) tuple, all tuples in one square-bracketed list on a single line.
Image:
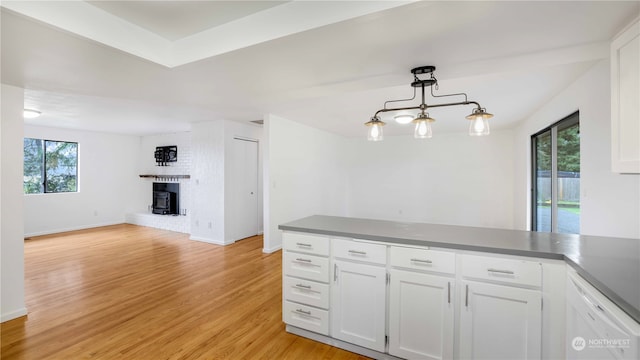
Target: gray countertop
[(612, 265)]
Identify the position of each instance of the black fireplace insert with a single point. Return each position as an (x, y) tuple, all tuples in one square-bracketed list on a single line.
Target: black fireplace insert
[(166, 197)]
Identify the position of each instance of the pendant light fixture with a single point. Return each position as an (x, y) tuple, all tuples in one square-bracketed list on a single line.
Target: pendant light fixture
[(479, 117), (375, 129)]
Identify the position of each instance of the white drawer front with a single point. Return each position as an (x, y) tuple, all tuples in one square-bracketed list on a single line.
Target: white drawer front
[(361, 251), (306, 317), (310, 244), (510, 271), (423, 259), (306, 266), (306, 292)]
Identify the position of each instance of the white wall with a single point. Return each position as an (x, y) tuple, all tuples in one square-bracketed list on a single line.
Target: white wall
[(148, 166), (306, 175), (610, 202), (234, 129), (452, 178), (12, 303), (207, 182), (107, 178)]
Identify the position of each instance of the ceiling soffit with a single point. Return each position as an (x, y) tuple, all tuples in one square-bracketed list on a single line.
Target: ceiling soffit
[(84, 19)]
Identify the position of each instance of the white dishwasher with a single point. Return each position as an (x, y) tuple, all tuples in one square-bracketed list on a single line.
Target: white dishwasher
[(596, 327)]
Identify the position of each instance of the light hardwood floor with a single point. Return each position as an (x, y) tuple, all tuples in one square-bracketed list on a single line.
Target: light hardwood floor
[(131, 292)]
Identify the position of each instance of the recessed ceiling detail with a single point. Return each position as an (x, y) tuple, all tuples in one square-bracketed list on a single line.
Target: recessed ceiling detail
[(174, 20), (132, 26), (330, 76)]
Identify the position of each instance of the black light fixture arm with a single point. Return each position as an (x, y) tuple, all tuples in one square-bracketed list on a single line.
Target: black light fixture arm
[(400, 100), (425, 107), (421, 83)]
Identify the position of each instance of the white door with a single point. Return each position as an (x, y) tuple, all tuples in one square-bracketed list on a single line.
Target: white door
[(358, 306), (244, 205), (420, 315), (499, 322)]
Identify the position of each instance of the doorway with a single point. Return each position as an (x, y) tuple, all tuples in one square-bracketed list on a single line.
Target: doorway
[(243, 206)]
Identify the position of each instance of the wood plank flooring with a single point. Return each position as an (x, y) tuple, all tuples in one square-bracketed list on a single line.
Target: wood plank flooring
[(132, 292)]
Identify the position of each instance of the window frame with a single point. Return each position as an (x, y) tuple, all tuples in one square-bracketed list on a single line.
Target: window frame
[(43, 160), (566, 122)]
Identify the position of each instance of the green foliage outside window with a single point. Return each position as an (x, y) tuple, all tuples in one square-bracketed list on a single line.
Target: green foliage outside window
[(568, 148), (50, 166)]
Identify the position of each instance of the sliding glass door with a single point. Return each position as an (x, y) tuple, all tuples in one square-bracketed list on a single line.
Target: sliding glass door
[(556, 177)]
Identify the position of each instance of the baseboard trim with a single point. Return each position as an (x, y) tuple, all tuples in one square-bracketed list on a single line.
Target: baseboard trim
[(13, 314), (271, 250), (73, 228), (210, 241), (339, 343)]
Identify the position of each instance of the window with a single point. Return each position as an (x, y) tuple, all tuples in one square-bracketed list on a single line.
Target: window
[(50, 166), (556, 177)]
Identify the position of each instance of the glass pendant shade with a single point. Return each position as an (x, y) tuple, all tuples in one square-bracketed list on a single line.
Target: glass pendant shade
[(423, 127), (479, 125), (375, 129)]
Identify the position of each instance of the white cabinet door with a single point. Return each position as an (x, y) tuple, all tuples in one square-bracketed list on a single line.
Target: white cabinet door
[(499, 322), (625, 100), (358, 304), (420, 315)]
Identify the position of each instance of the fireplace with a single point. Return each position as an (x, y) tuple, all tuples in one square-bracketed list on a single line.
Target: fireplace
[(166, 198)]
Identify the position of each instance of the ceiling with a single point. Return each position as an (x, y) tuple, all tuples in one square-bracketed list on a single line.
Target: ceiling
[(147, 67)]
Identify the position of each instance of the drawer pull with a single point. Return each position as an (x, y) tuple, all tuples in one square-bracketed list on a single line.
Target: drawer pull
[(303, 312), (303, 286), (422, 261), (506, 272), (599, 307), (303, 260), (356, 252), (449, 292), (303, 244)]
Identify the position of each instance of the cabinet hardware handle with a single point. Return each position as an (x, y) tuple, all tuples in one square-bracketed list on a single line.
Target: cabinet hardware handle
[(335, 272), (303, 260), (357, 252), (599, 307), (507, 272), (449, 292), (303, 286), (422, 261), (303, 312), (303, 244), (466, 297)]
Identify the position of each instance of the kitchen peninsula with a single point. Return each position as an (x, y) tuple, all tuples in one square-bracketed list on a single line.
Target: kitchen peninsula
[(447, 276)]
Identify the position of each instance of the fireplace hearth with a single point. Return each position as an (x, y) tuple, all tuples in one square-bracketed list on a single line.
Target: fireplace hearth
[(166, 198)]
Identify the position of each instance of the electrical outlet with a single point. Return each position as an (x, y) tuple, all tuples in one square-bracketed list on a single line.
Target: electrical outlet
[(210, 224), (95, 212), (197, 223)]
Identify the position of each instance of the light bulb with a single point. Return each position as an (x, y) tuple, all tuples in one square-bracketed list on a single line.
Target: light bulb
[(375, 133), (479, 126), (423, 130)]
